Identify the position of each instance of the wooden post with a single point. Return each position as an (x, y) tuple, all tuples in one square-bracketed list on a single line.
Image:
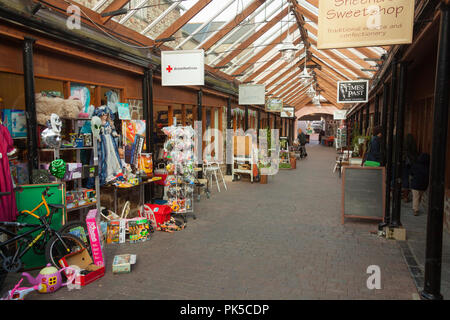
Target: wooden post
[(183, 115), (170, 115)]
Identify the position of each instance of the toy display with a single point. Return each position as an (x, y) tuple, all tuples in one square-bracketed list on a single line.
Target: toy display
[(19, 293), (95, 237), (15, 121), (58, 168), (179, 151), (49, 278), (110, 166), (45, 106), (146, 164), (51, 136), (138, 230), (122, 263), (80, 197)]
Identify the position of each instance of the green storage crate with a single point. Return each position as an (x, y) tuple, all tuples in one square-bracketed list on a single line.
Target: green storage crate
[(28, 199)]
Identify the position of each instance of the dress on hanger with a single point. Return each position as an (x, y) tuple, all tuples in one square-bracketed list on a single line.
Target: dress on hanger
[(8, 207)]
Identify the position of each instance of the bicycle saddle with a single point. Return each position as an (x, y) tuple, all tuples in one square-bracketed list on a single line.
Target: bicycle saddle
[(56, 206)]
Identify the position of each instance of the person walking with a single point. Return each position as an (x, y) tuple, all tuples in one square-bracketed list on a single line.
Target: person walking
[(420, 179), (302, 140), (409, 157), (374, 153)]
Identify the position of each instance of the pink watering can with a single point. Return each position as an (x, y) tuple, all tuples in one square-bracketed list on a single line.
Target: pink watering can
[(49, 278)]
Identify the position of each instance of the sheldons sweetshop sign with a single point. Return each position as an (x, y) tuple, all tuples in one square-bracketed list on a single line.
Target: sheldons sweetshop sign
[(364, 23)]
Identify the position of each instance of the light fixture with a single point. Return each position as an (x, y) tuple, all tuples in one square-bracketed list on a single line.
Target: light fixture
[(288, 48), (304, 74), (311, 92)]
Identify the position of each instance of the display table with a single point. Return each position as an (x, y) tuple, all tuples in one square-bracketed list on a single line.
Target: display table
[(141, 191)]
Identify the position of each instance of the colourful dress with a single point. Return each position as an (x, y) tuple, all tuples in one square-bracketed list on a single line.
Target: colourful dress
[(8, 208)]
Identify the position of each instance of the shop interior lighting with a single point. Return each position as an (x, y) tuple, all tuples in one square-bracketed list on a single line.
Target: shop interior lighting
[(288, 48)]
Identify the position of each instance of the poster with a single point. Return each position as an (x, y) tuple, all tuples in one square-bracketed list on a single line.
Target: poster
[(274, 105), (353, 91), (363, 23), (133, 132), (288, 112), (124, 111), (252, 94), (183, 68)]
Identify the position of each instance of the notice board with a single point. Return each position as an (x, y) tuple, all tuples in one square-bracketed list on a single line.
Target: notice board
[(363, 192)]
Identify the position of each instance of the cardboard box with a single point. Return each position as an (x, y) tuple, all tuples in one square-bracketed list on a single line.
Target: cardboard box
[(122, 263), (395, 233), (95, 236), (89, 271)]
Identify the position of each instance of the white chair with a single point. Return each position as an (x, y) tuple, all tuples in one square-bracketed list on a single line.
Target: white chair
[(210, 169)]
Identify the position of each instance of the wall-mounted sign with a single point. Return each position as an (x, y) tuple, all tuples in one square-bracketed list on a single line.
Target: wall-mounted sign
[(288, 112), (252, 94), (274, 105), (353, 91), (362, 23), (339, 114), (183, 68)]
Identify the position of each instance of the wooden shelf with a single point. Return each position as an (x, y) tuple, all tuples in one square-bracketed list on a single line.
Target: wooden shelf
[(64, 149), (91, 204)]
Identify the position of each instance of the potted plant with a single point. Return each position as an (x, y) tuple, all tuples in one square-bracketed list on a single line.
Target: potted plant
[(263, 164)]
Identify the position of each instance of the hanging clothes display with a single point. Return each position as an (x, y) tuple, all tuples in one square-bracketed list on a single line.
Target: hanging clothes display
[(8, 208)]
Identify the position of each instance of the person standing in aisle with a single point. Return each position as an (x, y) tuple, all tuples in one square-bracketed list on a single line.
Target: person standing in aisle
[(409, 157), (302, 140), (420, 171), (374, 153)]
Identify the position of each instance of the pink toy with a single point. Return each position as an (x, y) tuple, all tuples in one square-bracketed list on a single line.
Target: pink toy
[(19, 293), (95, 236), (49, 279)]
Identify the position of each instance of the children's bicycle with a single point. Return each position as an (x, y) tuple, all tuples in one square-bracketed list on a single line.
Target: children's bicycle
[(55, 244)]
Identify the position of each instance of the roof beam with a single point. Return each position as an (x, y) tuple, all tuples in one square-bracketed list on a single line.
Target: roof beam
[(264, 51), (245, 44), (181, 21), (300, 23), (232, 24), (113, 6)]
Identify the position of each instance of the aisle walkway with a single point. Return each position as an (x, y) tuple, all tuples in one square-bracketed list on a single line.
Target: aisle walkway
[(283, 240)]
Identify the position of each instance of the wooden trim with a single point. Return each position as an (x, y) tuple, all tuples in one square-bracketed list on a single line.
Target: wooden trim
[(183, 114), (170, 115)]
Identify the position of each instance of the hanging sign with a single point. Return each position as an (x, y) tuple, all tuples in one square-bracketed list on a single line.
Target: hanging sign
[(287, 112), (183, 68), (353, 91), (339, 114), (363, 23), (252, 94), (274, 105)]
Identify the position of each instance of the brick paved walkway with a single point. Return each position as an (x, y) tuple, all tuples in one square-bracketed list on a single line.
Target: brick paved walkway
[(283, 240)]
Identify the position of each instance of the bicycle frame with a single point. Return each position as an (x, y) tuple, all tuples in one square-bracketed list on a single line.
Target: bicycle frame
[(43, 203), (16, 237)]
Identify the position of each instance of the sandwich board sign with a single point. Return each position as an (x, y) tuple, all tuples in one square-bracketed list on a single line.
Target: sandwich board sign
[(183, 68), (364, 23), (353, 91)]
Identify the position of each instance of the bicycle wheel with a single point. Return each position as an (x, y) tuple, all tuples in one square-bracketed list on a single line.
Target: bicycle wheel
[(79, 230), (3, 273), (57, 249)]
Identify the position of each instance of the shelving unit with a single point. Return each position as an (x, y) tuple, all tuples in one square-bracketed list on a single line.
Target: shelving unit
[(77, 181)]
